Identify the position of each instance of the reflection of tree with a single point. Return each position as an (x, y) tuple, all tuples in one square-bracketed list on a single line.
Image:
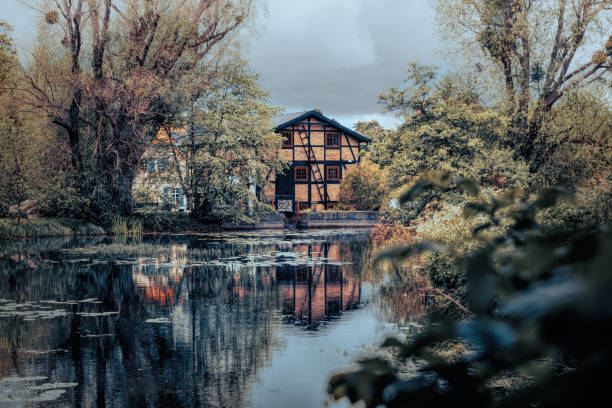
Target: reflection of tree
[(404, 297), (208, 355), (221, 319)]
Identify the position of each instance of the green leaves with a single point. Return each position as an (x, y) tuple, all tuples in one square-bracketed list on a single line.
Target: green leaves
[(364, 384), (430, 180), (416, 190), (534, 296), (472, 209), (548, 197), (470, 186), (399, 253)]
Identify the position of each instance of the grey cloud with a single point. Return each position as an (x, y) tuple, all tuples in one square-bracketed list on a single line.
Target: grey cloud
[(299, 63), (335, 55)]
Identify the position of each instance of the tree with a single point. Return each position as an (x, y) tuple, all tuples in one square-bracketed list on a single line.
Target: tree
[(7, 51), (579, 147), (229, 150), (379, 149), (542, 49), (128, 68), (364, 188), (23, 168), (447, 129)]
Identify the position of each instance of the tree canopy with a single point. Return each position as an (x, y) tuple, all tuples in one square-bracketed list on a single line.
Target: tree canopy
[(109, 73), (229, 150), (541, 50), (446, 128)]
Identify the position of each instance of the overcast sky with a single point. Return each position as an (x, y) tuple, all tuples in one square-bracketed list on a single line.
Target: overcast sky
[(339, 55), (335, 55)]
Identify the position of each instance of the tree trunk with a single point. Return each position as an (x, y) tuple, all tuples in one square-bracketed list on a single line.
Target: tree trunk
[(528, 148), (122, 192), (73, 132)]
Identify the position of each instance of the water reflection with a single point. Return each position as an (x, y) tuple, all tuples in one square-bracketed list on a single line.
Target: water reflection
[(179, 321), (313, 294)]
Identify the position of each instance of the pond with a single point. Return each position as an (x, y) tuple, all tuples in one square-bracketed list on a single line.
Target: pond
[(247, 319)]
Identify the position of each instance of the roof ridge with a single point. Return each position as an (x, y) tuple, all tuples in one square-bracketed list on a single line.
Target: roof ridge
[(286, 119)]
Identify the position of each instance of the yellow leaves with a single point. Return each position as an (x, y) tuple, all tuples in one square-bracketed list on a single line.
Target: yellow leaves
[(52, 17), (599, 58)]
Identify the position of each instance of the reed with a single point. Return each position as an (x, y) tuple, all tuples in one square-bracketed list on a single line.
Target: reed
[(46, 227), (126, 226)]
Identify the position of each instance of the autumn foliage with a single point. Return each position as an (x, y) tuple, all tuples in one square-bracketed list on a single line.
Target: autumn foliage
[(364, 188)]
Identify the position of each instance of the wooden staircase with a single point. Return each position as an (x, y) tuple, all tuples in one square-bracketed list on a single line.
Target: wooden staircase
[(318, 178)]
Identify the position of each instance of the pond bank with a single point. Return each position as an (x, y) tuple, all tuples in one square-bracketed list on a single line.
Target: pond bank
[(338, 219), (149, 223), (180, 223), (46, 227), (324, 219)]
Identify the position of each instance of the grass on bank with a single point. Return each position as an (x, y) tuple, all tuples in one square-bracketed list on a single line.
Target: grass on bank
[(126, 226), (46, 227), (158, 221)]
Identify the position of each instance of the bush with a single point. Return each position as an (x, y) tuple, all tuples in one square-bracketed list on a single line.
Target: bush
[(540, 302), (446, 275), (65, 202), (364, 188), (160, 221)]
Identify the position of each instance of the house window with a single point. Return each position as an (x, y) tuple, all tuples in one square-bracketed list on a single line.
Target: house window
[(150, 165), (287, 139), (301, 174), (304, 206), (333, 172), (332, 140), (176, 195), (162, 164)]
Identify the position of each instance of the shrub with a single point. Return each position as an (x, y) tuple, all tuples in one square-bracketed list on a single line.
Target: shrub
[(364, 188), (161, 221), (539, 300), (65, 202), (445, 274), (386, 234)]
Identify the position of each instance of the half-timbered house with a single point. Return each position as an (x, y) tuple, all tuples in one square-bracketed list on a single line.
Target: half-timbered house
[(321, 151)]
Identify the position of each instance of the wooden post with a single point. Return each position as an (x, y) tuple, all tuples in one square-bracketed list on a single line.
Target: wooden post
[(297, 203)]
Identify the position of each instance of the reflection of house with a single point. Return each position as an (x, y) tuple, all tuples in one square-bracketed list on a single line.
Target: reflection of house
[(311, 294), (158, 280), (321, 151)]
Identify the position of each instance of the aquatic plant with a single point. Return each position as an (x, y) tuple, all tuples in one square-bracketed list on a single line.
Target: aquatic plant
[(125, 225)]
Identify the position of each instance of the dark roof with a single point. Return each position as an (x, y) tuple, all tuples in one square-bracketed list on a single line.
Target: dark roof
[(286, 119)]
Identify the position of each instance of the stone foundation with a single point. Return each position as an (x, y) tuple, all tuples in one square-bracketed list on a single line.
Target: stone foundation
[(270, 221), (338, 219)]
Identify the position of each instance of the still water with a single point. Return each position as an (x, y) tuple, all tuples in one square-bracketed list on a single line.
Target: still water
[(253, 319)]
